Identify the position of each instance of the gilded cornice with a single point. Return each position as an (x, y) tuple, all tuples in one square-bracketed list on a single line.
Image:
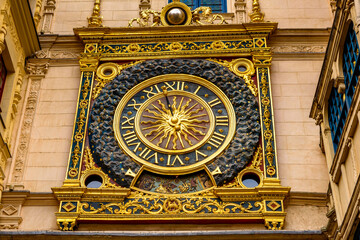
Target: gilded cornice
[(168, 33)]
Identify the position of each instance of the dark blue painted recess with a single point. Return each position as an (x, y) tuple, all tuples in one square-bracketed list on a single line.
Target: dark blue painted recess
[(339, 104), (217, 6)]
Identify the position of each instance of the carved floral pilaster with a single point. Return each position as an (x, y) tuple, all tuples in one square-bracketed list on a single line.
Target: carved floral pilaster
[(48, 16), (36, 72), (240, 11)]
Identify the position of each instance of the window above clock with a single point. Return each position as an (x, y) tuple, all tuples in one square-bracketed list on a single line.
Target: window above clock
[(217, 6)]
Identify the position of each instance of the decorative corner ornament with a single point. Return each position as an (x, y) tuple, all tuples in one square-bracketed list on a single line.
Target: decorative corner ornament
[(177, 13), (256, 15)]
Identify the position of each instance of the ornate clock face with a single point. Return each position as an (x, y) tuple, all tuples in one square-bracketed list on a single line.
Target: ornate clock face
[(174, 124)]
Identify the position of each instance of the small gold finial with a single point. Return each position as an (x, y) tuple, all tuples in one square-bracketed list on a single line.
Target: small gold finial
[(95, 20), (256, 15)]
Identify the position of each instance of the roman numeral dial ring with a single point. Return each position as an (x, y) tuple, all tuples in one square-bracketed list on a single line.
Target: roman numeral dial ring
[(174, 124)]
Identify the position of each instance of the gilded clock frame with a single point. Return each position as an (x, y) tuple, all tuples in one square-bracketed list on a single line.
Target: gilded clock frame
[(194, 167), (133, 45)]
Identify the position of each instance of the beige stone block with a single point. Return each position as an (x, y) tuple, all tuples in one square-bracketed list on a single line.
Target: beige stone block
[(292, 115), (42, 186), (63, 72), (305, 23), (294, 66), (59, 95), (114, 5), (74, 7), (320, 185), (302, 218), (309, 77), (276, 90), (49, 145), (274, 4), (306, 102), (275, 12), (305, 113), (43, 174), (36, 218), (52, 133), (302, 142), (296, 156), (61, 83), (47, 159), (344, 193), (298, 90), (350, 172), (311, 129), (315, 4), (290, 129), (67, 16), (286, 102), (54, 120), (305, 185), (295, 13), (281, 142), (283, 78), (288, 115), (126, 15), (56, 107)]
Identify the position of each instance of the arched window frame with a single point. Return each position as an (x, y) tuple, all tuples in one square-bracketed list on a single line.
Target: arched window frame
[(341, 98), (217, 6)]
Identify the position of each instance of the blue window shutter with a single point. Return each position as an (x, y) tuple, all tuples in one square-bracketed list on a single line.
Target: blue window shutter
[(217, 6), (339, 104)]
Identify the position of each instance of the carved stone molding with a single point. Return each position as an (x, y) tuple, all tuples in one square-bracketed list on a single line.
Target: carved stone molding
[(36, 72), (48, 16), (240, 11), (299, 49), (57, 54), (10, 210)]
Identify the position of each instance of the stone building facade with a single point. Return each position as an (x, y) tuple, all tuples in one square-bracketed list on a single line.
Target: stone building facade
[(41, 101)]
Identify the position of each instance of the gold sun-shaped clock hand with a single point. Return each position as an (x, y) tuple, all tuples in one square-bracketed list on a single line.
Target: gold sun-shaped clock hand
[(179, 123)]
